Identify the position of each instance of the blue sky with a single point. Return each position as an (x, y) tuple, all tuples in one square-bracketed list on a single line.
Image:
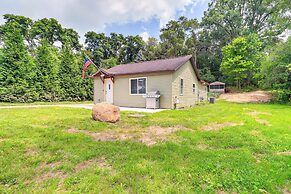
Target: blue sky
[(128, 17)]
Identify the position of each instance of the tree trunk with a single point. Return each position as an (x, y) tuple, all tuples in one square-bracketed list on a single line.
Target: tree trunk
[(238, 84)]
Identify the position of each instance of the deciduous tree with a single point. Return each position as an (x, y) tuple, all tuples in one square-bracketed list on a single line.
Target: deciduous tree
[(179, 37), (276, 70), (225, 20), (241, 59)]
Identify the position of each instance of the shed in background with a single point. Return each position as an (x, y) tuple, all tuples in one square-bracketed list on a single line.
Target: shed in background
[(217, 87)]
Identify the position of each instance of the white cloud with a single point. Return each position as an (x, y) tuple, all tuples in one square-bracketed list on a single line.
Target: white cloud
[(85, 15), (145, 36), (194, 5)]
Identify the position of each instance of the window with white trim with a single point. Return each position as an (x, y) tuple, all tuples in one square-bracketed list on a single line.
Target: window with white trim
[(138, 86), (193, 88), (181, 86)]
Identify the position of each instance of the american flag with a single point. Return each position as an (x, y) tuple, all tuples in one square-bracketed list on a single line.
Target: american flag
[(87, 63)]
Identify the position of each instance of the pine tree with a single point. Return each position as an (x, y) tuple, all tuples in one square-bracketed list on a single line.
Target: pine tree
[(69, 74), (48, 64), (18, 72)]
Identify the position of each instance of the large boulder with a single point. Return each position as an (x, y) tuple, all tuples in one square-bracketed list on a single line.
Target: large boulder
[(106, 112)]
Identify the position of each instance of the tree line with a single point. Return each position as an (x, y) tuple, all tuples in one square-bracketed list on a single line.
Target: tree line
[(42, 61), (237, 42)]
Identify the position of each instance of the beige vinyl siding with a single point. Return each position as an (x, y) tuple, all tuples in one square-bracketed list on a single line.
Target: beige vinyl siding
[(157, 81), (186, 72), (168, 83), (202, 91), (98, 90)]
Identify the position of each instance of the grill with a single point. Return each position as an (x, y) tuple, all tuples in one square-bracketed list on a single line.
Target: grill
[(153, 99)]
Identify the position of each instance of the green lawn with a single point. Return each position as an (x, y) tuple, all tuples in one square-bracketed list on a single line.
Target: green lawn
[(44, 103), (37, 154)]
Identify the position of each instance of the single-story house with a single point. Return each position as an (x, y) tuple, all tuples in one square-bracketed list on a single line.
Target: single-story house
[(217, 87), (177, 80)]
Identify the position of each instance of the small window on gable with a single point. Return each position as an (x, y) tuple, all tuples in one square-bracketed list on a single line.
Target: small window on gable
[(194, 88), (181, 87)]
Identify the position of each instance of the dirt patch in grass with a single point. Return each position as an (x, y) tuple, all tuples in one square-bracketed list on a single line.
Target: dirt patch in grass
[(104, 135), (100, 162), (218, 126), (156, 133), (258, 134), (247, 97), (51, 165), (287, 190), (258, 157), (148, 136), (223, 192), (51, 172), (287, 153), (30, 152), (255, 114), (52, 175), (202, 146)]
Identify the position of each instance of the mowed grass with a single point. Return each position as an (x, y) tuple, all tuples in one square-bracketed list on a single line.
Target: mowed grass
[(44, 103), (38, 155)]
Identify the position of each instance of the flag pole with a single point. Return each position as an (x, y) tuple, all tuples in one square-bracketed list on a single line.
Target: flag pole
[(92, 61)]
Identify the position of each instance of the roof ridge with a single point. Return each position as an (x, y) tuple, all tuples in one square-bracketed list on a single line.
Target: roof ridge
[(185, 56), (154, 66)]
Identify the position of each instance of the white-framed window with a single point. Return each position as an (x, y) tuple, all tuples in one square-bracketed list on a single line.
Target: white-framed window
[(138, 86), (181, 87), (193, 88)]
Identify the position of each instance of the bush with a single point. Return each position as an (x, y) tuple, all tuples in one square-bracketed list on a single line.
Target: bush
[(213, 94), (281, 96)]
